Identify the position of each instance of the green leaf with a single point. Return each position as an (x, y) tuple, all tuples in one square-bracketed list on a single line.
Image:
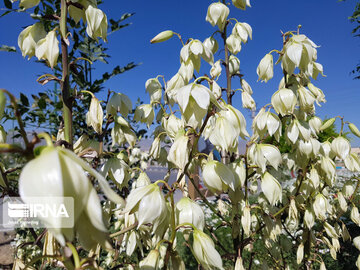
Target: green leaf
[(24, 100), (6, 48), (8, 4)]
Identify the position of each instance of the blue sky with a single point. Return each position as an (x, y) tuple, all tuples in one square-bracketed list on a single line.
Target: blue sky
[(323, 21)]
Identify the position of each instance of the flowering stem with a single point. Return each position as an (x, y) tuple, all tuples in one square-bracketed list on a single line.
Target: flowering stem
[(228, 76), (65, 85), (125, 230), (75, 255)]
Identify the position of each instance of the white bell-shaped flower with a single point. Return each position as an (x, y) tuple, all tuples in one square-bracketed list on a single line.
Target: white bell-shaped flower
[(284, 101), (47, 48), (223, 134), (122, 133), (117, 170), (218, 177), (247, 101), (29, 37), (179, 151), (139, 201), (319, 206), (119, 103), (154, 88), (194, 51), (242, 30), (216, 69), (306, 99), (95, 115), (236, 118), (155, 148), (271, 188), (59, 173), (265, 69), (151, 261), (144, 114), (317, 93), (329, 168), (239, 172), (205, 252), (217, 14), (172, 125), (341, 147), (234, 65), (233, 42), (352, 162), (315, 123), (264, 154), (212, 44), (188, 211), (246, 87), (96, 23)]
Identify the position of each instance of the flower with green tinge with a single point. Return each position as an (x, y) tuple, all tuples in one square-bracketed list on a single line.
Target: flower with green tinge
[(163, 36), (212, 44), (271, 188), (300, 253), (265, 69), (215, 70), (179, 151), (284, 101), (296, 129), (188, 211), (354, 215), (96, 23), (309, 218), (25, 4), (263, 154), (84, 143), (239, 264), (315, 123), (205, 252), (151, 261), (217, 14), (246, 87), (118, 171), (356, 242), (154, 88), (246, 220), (341, 147), (247, 101), (29, 37), (234, 65), (317, 93), (352, 162), (47, 48), (223, 134), (320, 206), (58, 172), (306, 99), (139, 201), (122, 132), (145, 114), (194, 51), (2, 134), (267, 123), (239, 172), (155, 148), (243, 31), (194, 100), (233, 43), (218, 177), (119, 103), (236, 118), (354, 130), (172, 125), (329, 168), (95, 115), (2, 103), (241, 4), (215, 89)]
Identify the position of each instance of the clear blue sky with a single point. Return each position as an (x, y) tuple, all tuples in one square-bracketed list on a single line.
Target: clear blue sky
[(323, 21)]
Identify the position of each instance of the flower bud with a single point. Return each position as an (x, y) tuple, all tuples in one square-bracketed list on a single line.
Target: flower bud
[(95, 115), (205, 252), (327, 124), (241, 4), (309, 218), (300, 253), (246, 220), (188, 211), (119, 103), (218, 177), (48, 48), (265, 69), (29, 37), (163, 36), (212, 44), (317, 93), (96, 23), (179, 152), (341, 147), (247, 101), (355, 216), (217, 14), (329, 168), (284, 101), (352, 162), (271, 188), (354, 130), (246, 87), (155, 148)]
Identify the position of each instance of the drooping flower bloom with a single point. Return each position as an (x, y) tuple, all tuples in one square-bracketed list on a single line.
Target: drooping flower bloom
[(48, 48), (96, 23), (188, 211), (29, 37), (241, 4), (179, 151), (95, 115), (217, 15)]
